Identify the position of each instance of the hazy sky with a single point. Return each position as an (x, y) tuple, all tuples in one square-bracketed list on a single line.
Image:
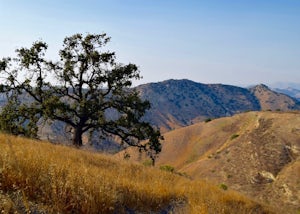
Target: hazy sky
[(232, 42)]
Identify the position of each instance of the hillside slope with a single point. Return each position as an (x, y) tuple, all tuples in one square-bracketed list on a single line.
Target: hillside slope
[(39, 177), (271, 100), (177, 103), (256, 153)]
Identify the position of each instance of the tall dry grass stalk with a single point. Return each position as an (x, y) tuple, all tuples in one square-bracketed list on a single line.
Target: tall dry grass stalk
[(39, 175)]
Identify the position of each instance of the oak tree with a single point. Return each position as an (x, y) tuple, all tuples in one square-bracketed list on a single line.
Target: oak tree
[(86, 89)]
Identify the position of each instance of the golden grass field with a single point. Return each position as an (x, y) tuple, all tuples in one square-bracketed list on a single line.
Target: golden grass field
[(41, 177)]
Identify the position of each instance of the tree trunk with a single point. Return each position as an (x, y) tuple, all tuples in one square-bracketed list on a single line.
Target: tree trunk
[(77, 136)]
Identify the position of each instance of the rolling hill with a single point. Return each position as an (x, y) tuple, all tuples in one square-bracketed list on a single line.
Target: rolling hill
[(256, 153), (271, 100), (39, 177), (178, 103)]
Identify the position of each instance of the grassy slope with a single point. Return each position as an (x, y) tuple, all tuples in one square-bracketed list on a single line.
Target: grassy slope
[(242, 151), (38, 176)]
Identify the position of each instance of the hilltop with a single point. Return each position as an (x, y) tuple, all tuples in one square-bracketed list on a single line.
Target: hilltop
[(39, 177), (178, 103), (271, 100), (256, 153)]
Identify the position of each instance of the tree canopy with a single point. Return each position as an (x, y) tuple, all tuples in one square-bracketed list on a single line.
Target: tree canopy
[(86, 89)]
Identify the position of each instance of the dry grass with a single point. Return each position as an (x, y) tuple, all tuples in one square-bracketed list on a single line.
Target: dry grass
[(44, 178)]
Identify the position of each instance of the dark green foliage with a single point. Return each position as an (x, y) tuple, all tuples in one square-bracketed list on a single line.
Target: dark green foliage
[(86, 89), (208, 120), (17, 119), (234, 136), (224, 186)]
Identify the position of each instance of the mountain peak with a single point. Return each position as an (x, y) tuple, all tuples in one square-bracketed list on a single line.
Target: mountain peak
[(177, 103), (261, 87), (271, 100)]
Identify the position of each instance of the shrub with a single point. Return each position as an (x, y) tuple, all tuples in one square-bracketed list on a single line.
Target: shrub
[(234, 136), (167, 168), (207, 120), (147, 163), (223, 187)]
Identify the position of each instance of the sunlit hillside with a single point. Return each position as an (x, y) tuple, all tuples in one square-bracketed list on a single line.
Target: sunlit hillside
[(44, 178), (255, 153), (271, 100)]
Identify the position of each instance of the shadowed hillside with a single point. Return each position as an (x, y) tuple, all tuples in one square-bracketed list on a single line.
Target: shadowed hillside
[(177, 103), (256, 153)]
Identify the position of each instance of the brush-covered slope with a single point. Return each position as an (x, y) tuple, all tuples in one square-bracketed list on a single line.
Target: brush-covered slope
[(39, 177), (257, 153), (177, 103), (271, 100)]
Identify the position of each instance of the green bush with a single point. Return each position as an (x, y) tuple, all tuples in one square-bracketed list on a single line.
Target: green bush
[(207, 120), (148, 163), (223, 187), (234, 136), (167, 168)]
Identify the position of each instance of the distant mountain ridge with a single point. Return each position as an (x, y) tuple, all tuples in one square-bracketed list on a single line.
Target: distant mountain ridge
[(289, 88), (292, 92), (272, 100), (177, 103), (283, 85)]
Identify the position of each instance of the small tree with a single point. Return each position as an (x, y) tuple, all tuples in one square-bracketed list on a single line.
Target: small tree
[(86, 89)]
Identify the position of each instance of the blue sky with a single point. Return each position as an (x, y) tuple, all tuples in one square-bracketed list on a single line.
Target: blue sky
[(231, 42)]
